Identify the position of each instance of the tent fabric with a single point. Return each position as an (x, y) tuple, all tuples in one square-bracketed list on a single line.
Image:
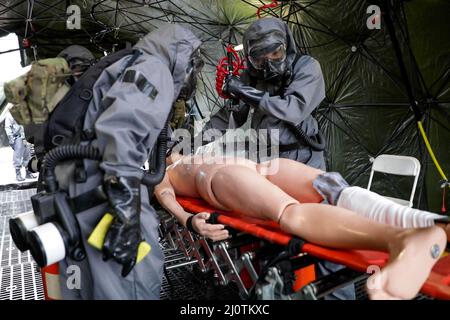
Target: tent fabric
[(366, 111)]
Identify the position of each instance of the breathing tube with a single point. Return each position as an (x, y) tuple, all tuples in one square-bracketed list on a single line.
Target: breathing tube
[(62, 153), (72, 152), (156, 174), (51, 231), (318, 145)]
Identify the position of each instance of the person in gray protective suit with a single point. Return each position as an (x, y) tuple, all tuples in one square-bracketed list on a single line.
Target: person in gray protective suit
[(22, 150), (283, 88), (79, 59), (129, 108)]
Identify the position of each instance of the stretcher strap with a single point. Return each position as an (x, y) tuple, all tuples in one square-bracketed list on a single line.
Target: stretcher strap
[(277, 237), (295, 246)]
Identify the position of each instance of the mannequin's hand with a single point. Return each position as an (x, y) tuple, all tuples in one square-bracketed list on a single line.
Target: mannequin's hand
[(215, 232)]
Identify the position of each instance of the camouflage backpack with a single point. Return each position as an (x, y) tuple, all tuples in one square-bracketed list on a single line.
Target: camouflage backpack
[(35, 94)]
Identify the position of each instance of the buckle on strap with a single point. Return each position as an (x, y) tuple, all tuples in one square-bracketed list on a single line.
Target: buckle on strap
[(88, 200)]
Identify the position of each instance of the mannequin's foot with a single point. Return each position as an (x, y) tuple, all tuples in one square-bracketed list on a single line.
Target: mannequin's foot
[(411, 259)]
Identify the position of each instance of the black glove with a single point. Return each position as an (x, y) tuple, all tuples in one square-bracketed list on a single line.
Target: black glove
[(238, 90), (124, 236)]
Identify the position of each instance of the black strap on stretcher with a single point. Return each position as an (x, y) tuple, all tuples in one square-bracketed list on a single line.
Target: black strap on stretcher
[(213, 218), (294, 246)]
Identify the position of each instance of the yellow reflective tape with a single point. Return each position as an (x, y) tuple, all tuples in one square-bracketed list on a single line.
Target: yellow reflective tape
[(97, 237), (143, 249)]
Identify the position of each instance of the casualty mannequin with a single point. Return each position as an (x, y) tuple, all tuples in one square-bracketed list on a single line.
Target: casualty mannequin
[(129, 108), (290, 193)]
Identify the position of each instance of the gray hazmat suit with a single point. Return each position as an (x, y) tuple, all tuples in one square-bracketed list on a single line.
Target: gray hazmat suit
[(16, 137), (290, 102), (127, 121)]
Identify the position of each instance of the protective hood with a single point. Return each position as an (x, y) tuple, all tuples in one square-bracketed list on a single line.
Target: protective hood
[(260, 28), (173, 45), (76, 54)]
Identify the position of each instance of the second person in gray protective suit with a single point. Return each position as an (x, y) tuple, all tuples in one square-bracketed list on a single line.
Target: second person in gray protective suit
[(129, 108), (282, 91)]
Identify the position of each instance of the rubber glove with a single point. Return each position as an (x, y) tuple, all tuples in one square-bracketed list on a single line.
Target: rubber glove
[(124, 235)]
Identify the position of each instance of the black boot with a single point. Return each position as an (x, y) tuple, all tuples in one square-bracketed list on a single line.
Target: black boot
[(28, 174), (19, 175)]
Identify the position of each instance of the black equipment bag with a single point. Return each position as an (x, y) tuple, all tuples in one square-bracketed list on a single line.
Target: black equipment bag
[(65, 123)]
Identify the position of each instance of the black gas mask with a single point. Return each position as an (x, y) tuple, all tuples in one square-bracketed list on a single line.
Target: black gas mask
[(267, 56), (79, 59), (193, 68)]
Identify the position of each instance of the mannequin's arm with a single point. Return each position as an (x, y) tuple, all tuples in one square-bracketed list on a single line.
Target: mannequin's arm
[(165, 194), (166, 197)]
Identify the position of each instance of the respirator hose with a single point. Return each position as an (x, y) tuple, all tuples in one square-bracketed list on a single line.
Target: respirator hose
[(155, 177), (318, 145), (62, 153), (72, 152)]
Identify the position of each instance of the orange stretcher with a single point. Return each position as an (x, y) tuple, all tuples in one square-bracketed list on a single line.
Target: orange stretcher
[(436, 286)]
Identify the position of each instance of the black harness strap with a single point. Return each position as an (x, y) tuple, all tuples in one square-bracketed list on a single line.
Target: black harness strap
[(295, 246), (88, 200)]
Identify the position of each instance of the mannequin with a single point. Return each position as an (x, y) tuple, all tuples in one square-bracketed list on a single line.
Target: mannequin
[(287, 192)]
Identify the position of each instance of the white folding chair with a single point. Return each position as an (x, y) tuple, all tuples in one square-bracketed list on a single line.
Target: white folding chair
[(398, 165)]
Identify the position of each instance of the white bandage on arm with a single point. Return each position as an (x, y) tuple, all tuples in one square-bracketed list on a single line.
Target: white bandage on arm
[(380, 209)]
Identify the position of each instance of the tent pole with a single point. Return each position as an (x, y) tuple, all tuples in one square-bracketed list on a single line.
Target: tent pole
[(387, 8)]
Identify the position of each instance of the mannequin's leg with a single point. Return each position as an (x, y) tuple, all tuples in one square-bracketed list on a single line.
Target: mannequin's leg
[(243, 190), (378, 208), (294, 178)]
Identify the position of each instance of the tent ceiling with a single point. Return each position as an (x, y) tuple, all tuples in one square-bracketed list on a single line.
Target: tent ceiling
[(366, 111)]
